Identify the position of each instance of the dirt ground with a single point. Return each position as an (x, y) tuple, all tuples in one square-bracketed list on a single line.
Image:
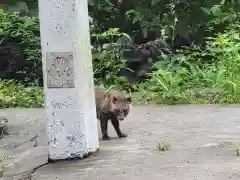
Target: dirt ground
[(200, 138)]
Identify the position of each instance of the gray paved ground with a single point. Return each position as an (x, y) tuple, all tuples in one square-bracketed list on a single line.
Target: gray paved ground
[(200, 137)]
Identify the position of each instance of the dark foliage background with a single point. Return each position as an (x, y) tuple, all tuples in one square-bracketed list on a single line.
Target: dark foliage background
[(165, 51)]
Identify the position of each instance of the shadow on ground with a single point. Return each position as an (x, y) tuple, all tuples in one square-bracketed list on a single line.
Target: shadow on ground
[(200, 138)]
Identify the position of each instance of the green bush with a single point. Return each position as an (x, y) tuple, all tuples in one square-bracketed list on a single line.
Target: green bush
[(184, 81), (24, 31), (108, 60), (14, 94), (209, 74)]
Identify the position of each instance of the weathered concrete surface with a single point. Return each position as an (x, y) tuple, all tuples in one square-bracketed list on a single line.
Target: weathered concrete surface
[(26, 143), (200, 137)]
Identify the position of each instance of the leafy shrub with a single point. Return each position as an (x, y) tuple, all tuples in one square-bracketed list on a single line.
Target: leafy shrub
[(179, 79), (25, 31), (209, 74), (108, 60), (14, 94)]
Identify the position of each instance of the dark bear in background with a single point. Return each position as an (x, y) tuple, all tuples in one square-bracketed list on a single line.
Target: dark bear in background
[(140, 59), (181, 40)]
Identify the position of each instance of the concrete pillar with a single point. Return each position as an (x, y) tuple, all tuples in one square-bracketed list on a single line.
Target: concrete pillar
[(68, 79)]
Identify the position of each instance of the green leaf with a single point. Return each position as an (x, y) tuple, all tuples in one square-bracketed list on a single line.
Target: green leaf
[(155, 2), (205, 10), (126, 35), (216, 10), (145, 32)]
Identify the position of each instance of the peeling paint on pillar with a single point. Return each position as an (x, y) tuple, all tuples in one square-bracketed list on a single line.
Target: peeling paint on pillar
[(68, 79)]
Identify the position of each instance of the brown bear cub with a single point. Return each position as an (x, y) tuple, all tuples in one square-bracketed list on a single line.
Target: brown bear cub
[(114, 106)]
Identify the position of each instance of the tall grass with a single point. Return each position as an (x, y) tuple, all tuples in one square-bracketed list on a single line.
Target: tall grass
[(209, 76)]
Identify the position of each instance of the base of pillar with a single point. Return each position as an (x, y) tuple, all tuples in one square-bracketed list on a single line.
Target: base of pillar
[(50, 160)]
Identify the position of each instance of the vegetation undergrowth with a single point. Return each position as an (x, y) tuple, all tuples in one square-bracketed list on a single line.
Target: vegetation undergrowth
[(162, 145), (203, 73), (15, 94), (182, 79)]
